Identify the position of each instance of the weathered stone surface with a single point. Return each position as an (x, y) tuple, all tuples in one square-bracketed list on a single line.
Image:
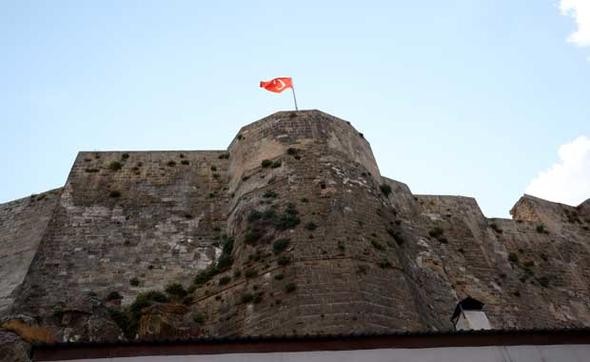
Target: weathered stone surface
[(12, 348), (22, 224), (292, 230)]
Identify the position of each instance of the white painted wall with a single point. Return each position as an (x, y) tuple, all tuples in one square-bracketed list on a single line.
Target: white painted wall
[(556, 353)]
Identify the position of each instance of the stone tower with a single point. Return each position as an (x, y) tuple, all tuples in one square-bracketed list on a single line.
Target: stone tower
[(323, 170)]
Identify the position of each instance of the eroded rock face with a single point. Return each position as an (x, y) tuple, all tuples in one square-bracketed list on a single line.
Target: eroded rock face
[(292, 230), (13, 348)]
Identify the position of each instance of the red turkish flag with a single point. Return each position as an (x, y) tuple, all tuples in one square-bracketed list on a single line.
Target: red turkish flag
[(277, 85)]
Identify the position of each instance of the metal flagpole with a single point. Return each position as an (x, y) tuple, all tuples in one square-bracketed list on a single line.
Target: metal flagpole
[(294, 98)]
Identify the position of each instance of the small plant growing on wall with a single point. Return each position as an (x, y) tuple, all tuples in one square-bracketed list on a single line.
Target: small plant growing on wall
[(311, 226), (496, 228), (290, 287), (276, 164), (247, 298), (385, 189), (270, 195), (513, 258), (114, 296), (541, 229), (438, 233), (176, 290), (377, 245), (280, 245), (250, 273), (115, 166), (284, 260), (198, 318)]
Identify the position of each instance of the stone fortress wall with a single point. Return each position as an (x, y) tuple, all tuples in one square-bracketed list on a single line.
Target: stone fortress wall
[(22, 224), (360, 253)]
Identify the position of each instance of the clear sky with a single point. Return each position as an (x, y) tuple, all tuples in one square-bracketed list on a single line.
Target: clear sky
[(456, 97)]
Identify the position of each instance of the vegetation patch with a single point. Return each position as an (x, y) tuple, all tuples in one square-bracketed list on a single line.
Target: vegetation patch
[(198, 318), (311, 226), (385, 264), (541, 229), (438, 233), (247, 298), (128, 319), (496, 228), (377, 245), (115, 166), (528, 264), (134, 282), (361, 270), (270, 195), (252, 235), (572, 216), (171, 163), (224, 262), (224, 156), (224, 280), (544, 281), (276, 164), (280, 245), (397, 236), (115, 194), (258, 297), (204, 276), (385, 189), (250, 273), (114, 296), (513, 258), (266, 163), (283, 260), (290, 287), (176, 290), (260, 221)]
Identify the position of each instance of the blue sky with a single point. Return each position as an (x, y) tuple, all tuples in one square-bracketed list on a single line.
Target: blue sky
[(467, 98)]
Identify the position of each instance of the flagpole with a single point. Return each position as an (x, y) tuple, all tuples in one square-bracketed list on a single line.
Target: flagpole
[(294, 98)]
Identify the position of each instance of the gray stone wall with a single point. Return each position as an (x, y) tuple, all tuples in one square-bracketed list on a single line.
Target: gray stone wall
[(529, 274), (22, 224), (150, 217), (359, 258)]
